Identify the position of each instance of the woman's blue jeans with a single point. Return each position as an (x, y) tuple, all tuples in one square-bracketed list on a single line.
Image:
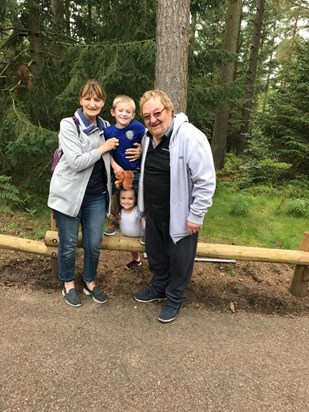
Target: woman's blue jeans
[(91, 218)]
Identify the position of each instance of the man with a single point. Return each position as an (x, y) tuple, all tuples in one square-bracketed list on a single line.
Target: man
[(176, 187)]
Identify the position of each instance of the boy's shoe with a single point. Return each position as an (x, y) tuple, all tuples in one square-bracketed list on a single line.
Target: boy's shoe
[(133, 264), (97, 295), (168, 313), (71, 297), (148, 295), (112, 229)]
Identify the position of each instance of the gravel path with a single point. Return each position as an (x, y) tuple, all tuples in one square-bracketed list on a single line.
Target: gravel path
[(118, 358)]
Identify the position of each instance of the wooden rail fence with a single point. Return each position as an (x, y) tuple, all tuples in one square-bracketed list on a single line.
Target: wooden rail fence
[(300, 258)]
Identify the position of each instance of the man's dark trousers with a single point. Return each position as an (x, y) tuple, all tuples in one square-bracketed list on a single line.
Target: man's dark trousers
[(171, 265)]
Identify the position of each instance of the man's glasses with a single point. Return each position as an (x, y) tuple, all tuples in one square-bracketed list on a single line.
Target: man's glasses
[(157, 114)]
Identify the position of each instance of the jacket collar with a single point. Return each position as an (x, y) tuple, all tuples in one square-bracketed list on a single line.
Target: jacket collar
[(88, 126)]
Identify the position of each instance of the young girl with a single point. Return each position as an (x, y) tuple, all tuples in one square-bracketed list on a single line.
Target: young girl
[(131, 224)]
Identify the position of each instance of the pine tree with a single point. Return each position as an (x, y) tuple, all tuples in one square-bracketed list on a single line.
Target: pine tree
[(287, 120)]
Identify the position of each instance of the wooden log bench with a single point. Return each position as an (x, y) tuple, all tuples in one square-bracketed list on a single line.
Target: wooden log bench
[(300, 258)]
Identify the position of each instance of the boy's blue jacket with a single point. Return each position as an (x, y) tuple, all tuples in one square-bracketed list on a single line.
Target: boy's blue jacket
[(128, 136)]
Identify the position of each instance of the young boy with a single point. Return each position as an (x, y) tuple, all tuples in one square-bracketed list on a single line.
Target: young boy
[(129, 132)]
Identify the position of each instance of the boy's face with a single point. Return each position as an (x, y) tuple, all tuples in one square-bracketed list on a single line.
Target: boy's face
[(124, 114)]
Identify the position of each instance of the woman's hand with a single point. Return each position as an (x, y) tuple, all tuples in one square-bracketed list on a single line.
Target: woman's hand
[(108, 145), (134, 153)]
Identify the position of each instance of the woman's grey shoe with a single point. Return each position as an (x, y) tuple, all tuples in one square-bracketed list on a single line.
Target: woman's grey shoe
[(97, 295), (71, 297)]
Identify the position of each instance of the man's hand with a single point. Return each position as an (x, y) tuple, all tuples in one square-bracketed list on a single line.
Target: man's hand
[(134, 153), (193, 227)]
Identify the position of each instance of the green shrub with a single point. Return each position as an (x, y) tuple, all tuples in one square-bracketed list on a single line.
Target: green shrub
[(266, 171), (297, 208), (260, 190), (298, 188), (9, 194), (239, 206)]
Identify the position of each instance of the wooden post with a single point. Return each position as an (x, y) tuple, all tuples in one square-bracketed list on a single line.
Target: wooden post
[(53, 225), (54, 257), (300, 281)]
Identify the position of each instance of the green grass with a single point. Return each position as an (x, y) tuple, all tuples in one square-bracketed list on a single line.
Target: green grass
[(266, 223), (23, 224), (238, 218)]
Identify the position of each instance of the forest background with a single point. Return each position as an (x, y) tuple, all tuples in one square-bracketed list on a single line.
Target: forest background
[(247, 89)]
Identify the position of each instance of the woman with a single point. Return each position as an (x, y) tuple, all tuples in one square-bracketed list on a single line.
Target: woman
[(80, 191)]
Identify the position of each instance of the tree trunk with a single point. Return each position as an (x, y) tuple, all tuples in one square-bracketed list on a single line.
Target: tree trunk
[(57, 12), (172, 36), (231, 34), (67, 17), (35, 39), (251, 75)]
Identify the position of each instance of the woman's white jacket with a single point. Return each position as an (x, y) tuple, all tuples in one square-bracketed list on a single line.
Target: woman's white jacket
[(70, 178)]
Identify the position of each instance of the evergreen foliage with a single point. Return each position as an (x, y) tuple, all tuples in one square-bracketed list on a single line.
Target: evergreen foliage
[(239, 206), (115, 43), (26, 149), (287, 120), (298, 208), (9, 194)]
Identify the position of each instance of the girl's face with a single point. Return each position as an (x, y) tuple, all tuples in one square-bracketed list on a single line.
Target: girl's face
[(92, 106), (127, 199)]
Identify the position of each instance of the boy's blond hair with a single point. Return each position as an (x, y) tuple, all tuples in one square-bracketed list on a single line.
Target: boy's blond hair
[(124, 99)]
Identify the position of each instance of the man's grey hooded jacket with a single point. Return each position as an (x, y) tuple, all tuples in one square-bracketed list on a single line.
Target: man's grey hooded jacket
[(192, 180)]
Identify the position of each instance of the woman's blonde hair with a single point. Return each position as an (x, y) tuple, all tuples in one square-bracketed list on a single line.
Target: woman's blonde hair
[(91, 87)]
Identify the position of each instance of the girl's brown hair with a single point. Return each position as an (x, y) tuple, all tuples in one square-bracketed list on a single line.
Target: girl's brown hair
[(117, 202)]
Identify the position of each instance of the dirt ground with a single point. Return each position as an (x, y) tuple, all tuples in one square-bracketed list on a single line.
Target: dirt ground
[(238, 344), (245, 286)]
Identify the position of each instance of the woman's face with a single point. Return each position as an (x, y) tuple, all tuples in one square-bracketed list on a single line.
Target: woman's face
[(91, 105)]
